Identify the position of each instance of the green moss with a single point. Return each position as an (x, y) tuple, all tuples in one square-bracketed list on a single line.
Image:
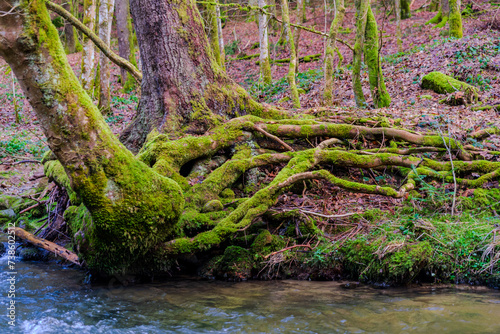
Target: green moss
[(76, 217), (265, 243), (455, 19), (227, 194)]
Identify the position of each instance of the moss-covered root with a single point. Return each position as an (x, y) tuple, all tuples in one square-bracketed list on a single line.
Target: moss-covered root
[(455, 19), (132, 207), (246, 212), (436, 19), (224, 176), (346, 131), (379, 92)]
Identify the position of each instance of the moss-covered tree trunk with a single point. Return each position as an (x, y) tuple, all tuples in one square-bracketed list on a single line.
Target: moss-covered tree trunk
[(379, 92), (69, 31), (88, 51), (132, 207), (361, 18), (183, 87), (125, 41), (221, 37), (455, 19), (265, 64), (292, 69), (330, 48), (106, 8), (213, 26), (405, 9)]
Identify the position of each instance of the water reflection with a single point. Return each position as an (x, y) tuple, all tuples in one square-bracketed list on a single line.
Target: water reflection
[(51, 299)]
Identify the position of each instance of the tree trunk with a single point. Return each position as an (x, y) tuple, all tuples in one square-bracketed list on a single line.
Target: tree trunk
[(405, 9), (105, 21), (69, 32), (221, 38), (455, 19), (214, 32), (265, 65), (88, 52), (330, 48), (372, 59), (397, 5), (361, 16), (132, 207), (183, 87), (122, 13), (301, 12), (292, 69)]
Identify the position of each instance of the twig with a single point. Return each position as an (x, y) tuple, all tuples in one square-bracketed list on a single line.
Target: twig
[(285, 249), (273, 137), (32, 207), (329, 216), (20, 162)]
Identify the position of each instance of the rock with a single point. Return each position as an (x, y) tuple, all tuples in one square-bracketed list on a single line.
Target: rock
[(350, 285), (7, 216), (213, 206)]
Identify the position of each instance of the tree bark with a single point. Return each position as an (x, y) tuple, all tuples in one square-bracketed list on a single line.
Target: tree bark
[(105, 21), (69, 32), (122, 11), (132, 207), (330, 48), (397, 10), (361, 17), (88, 52), (292, 69), (265, 65), (213, 22), (183, 87)]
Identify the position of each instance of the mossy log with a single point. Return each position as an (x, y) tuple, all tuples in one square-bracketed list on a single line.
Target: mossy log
[(443, 84)]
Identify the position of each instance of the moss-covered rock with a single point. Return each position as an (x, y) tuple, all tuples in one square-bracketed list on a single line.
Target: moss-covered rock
[(236, 263), (213, 206), (443, 84), (227, 194), (266, 243), (6, 216)]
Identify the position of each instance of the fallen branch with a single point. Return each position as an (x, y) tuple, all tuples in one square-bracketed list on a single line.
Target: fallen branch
[(47, 245), (329, 216)]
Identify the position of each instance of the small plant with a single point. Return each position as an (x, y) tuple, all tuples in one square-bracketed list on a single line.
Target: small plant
[(232, 48)]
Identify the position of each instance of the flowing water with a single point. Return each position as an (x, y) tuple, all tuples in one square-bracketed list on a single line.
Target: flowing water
[(53, 299)]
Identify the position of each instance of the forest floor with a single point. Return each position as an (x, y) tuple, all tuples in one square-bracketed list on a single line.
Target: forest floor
[(474, 59)]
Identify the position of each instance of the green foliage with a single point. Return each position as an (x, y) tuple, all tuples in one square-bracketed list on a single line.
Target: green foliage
[(20, 144), (232, 48), (272, 92)]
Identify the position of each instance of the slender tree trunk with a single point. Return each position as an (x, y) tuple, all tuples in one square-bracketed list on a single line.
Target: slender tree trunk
[(301, 12), (293, 54), (106, 8), (214, 33), (88, 52), (221, 38), (405, 9), (69, 31), (397, 10), (361, 17), (265, 65), (122, 15), (330, 48), (379, 92), (132, 207), (455, 19), (183, 87)]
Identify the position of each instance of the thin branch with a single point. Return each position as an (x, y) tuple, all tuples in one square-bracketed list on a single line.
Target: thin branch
[(122, 62), (273, 137)]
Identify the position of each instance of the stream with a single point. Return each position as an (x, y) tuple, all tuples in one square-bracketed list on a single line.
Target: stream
[(52, 299)]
